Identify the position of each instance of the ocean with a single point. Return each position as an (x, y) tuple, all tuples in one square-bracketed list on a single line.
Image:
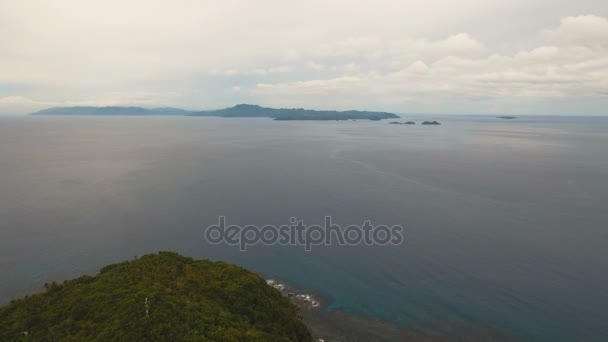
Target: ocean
[(505, 221)]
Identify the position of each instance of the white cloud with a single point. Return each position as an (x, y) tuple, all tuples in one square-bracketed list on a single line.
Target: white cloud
[(259, 71), (366, 46), (586, 30), (460, 70), (14, 100), (461, 45), (230, 72), (417, 67), (19, 104), (348, 68), (314, 66), (280, 69)]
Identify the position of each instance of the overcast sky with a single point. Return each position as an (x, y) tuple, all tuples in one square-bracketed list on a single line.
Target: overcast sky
[(431, 56)]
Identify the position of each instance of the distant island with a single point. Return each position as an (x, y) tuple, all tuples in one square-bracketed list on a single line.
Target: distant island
[(238, 111), (402, 123), (413, 123), (134, 111), (245, 111), (157, 297), (506, 117)]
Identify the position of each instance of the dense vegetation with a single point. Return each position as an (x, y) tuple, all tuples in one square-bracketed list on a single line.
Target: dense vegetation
[(188, 300)]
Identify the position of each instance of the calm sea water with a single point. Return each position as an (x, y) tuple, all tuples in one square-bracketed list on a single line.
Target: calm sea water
[(505, 221)]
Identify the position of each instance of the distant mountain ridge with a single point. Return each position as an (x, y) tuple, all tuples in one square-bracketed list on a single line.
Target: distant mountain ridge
[(238, 111), (246, 110), (111, 110)]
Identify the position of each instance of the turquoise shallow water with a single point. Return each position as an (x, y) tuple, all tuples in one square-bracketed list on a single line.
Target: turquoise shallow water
[(505, 221)]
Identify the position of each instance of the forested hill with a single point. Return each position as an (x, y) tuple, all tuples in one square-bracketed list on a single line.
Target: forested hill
[(246, 110), (157, 297)]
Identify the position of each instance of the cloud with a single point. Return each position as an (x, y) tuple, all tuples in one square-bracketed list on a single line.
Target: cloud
[(366, 46), (19, 104), (314, 66), (586, 30), (460, 44), (280, 69), (256, 71), (230, 72), (458, 68), (259, 71), (14, 100), (348, 68)]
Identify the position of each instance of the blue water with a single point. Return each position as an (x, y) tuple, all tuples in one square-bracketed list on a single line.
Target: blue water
[(505, 220)]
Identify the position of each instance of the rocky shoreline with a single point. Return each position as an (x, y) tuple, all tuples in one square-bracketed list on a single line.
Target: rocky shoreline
[(301, 300), (304, 301), (340, 325)]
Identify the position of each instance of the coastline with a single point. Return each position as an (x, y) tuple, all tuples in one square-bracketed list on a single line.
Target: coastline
[(327, 324), (330, 324)]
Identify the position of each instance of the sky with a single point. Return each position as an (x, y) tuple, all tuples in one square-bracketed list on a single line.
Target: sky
[(542, 57)]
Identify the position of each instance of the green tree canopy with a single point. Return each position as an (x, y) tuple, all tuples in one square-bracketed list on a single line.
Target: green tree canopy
[(187, 300)]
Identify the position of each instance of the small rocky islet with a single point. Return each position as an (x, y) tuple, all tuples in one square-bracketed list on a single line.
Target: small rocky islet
[(413, 123)]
